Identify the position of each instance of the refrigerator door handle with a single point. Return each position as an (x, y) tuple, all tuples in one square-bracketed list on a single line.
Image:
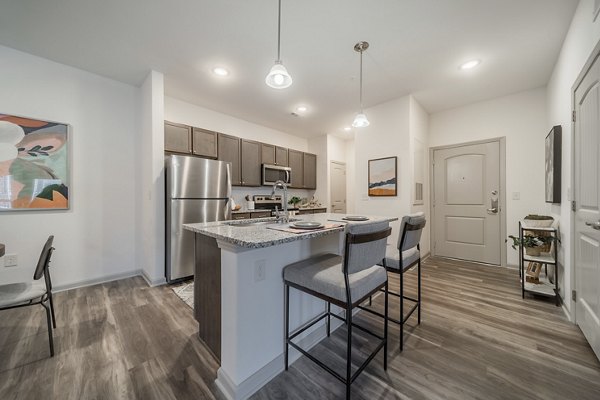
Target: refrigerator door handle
[(227, 211)]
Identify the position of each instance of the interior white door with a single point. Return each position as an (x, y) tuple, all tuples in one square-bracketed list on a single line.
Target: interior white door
[(338, 187), (587, 206), (466, 202)]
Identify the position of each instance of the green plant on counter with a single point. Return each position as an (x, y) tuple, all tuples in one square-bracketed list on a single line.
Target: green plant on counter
[(294, 200), (532, 241)]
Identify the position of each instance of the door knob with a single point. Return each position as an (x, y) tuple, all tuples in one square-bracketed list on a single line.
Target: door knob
[(492, 210), (594, 225)]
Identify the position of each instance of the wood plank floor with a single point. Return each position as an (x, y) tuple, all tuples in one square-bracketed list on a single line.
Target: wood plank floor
[(478, 340)]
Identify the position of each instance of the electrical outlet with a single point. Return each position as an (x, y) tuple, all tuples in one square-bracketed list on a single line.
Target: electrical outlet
[(260, 272), (10, 260)]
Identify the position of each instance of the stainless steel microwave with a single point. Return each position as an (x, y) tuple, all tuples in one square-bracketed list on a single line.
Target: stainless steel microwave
[(273, 173)]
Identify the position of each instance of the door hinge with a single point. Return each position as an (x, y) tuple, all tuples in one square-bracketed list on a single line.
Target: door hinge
[(434, 203), (574, 295), (573, 205), (574, 116)]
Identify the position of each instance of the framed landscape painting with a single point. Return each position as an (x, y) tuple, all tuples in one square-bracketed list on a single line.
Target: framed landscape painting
[(34, 164), (383, 180)]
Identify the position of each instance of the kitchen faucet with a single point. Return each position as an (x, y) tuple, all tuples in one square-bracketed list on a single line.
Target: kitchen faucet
[(286, 216)]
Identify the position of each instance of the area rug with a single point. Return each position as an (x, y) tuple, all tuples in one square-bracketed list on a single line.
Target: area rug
[(186, 293)]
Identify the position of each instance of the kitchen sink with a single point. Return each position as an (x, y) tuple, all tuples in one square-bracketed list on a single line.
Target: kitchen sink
[(249, 224)]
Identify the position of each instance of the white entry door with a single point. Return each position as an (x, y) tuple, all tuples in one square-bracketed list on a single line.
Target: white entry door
[(587, 205), (466, 202), (338, 187)]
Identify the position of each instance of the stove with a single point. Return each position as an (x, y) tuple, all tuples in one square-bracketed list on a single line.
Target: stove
[(265, 202)]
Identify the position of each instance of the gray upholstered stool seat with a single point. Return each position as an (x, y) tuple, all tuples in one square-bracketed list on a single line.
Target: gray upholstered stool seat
[(392, 259), (17, 293), (324, 274)]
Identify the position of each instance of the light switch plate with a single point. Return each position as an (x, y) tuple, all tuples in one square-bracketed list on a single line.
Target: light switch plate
[(516, 196)]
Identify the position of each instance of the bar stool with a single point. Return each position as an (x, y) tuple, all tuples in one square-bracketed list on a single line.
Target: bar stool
[(401, 257), (345, 281)]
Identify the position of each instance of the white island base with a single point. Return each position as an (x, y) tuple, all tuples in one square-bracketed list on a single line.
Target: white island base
[(252, 312)]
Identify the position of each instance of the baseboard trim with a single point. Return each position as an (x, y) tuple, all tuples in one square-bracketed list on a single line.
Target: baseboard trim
[(251, 385), (97, 281), (153, 282)]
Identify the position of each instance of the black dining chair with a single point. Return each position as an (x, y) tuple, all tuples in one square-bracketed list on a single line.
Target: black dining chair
[(23, 294)]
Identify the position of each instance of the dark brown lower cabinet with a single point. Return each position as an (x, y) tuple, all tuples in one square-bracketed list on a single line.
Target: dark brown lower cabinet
[(207, 292)]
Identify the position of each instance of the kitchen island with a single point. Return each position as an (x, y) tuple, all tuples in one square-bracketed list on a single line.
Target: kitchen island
[(239, 293)]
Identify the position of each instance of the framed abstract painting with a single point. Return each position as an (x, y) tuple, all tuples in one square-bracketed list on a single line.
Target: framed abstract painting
[(383, 180), (34, 164)]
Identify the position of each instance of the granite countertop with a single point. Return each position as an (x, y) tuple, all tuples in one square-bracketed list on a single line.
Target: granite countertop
[(258, 236)]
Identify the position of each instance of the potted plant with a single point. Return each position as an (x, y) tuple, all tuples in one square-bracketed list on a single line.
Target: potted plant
[(533, 244), (294, 200)]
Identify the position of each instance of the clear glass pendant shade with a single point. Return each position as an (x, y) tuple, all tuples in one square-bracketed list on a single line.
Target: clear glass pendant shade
[(360, 121), (278, 77)]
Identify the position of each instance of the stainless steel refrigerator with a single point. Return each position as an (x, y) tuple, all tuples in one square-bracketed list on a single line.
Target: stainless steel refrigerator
[(197, 190)]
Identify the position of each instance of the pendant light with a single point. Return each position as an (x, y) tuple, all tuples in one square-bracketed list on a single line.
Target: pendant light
[(278, 77), (361, 121)]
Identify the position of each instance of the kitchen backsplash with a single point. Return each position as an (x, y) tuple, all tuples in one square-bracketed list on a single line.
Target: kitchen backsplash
[(239, 193)]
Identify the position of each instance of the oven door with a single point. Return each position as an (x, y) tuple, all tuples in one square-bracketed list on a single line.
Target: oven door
[(274, 173)]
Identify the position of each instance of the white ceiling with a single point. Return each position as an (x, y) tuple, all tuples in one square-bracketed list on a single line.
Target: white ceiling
[(416, 47)]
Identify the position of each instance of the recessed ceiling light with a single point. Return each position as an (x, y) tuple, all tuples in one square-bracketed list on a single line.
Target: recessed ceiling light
[(470, 64), (301, 109), (220, 71), (347, 129)]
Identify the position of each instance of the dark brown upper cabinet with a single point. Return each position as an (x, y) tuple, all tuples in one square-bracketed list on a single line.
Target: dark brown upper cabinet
[(204, 143), (267, 153), (281, 156), (229, 150), (178, 138), (250, 162), (310, 171), (296, 163), (274, 155)]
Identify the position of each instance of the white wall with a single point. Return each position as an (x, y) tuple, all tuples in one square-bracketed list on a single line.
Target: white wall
[(388, 135), (581, 38), (150, 181), (521, 118), (185, 113), (95, 238), (350, 177), (419, 131)]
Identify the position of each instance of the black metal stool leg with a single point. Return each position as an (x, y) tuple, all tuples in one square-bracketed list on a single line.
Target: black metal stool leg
[(385, 328), (419, 288), (287, 324), (349, 351), (401, 308)]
